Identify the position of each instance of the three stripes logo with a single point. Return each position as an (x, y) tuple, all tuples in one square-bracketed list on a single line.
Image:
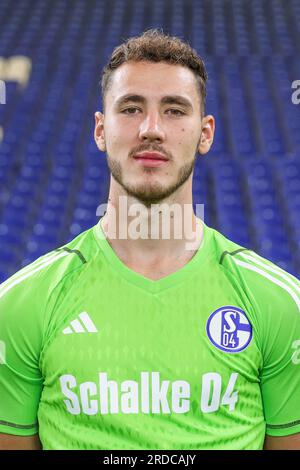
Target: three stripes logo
[(253, 262), (82, 324)]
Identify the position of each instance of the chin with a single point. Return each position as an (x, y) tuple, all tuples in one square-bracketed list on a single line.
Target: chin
[(149, 194)]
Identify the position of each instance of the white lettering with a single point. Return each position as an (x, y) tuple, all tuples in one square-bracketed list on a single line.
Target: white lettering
[(296, 354), (296, 94), (148, 395), (130, 399), (159, 394), (145, 392), (180, 393), (72, 404), (108, 386), (140, 221), (211, 392), (89, 407), (209, 403), (123, 217), (2, 92)]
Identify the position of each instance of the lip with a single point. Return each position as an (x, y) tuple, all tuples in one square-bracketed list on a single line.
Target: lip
[(151, 159), (151, 156)]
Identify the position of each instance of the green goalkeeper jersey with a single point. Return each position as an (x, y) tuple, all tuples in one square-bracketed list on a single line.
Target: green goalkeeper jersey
[(95, 356)]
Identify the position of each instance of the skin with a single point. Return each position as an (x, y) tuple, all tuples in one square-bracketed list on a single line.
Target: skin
[(283, 443), (10, 442), (151, 120)]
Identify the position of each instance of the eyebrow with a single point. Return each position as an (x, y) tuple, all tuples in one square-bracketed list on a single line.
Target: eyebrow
[(177, 99), (168, 99)]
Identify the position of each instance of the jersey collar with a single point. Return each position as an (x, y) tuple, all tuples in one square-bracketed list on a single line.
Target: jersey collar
[(189, 269)]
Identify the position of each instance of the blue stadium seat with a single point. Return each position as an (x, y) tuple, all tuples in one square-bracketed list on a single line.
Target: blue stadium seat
[(53, 177)]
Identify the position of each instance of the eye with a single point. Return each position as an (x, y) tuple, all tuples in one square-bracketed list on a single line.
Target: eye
[(130, 110), (176, 112)]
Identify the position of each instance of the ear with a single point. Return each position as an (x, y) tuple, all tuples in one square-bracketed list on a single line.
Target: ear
[(207, 134), (99, 131)]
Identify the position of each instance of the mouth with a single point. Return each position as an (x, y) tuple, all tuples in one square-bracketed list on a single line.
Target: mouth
[(151, 159)]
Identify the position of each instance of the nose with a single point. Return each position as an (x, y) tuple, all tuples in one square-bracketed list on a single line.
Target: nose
[(151, 128)]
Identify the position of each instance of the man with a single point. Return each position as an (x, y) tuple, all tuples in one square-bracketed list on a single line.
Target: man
[(128, 339)]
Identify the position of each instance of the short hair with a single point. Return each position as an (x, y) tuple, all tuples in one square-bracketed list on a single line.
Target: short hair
[(155, 46)]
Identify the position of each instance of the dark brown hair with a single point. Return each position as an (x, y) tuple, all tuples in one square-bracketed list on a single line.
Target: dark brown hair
[(155, 46)]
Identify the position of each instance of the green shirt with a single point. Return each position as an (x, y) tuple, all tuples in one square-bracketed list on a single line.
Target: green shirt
[(95, 356)]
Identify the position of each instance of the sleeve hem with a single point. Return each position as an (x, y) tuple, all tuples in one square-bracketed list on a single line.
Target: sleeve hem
[(18, 430), (283, 430)]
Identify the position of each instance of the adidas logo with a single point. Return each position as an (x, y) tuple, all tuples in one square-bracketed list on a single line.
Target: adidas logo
[(86, 325)]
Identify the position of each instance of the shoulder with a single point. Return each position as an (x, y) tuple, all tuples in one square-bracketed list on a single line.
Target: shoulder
[(262, 280), (28, 298), (40, 278)]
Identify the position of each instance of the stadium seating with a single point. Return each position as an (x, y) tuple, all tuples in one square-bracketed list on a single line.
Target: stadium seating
[(53, 177)]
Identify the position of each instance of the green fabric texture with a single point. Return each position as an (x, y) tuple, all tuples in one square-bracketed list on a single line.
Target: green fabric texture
[(95, 356)]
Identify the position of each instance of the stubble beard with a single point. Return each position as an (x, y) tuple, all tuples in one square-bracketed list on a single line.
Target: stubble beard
[(151, 193)]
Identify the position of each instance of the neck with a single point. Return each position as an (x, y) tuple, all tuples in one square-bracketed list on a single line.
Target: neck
[(165, 231)]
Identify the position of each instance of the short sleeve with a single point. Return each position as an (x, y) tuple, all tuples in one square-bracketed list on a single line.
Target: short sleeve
[(21, 327), (274, 296), (280, 337)]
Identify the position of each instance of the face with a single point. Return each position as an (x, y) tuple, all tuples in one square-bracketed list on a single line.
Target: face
[(152, 128)]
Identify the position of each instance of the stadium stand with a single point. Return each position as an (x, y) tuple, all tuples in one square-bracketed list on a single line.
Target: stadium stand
[(52, 176)]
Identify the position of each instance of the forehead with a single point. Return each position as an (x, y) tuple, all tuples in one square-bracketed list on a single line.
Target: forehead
[(153, 80)]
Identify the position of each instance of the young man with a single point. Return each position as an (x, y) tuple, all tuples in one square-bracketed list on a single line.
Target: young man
[(128, 339)]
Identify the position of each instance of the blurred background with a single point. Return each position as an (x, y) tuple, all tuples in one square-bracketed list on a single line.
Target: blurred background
[(53, 177)]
